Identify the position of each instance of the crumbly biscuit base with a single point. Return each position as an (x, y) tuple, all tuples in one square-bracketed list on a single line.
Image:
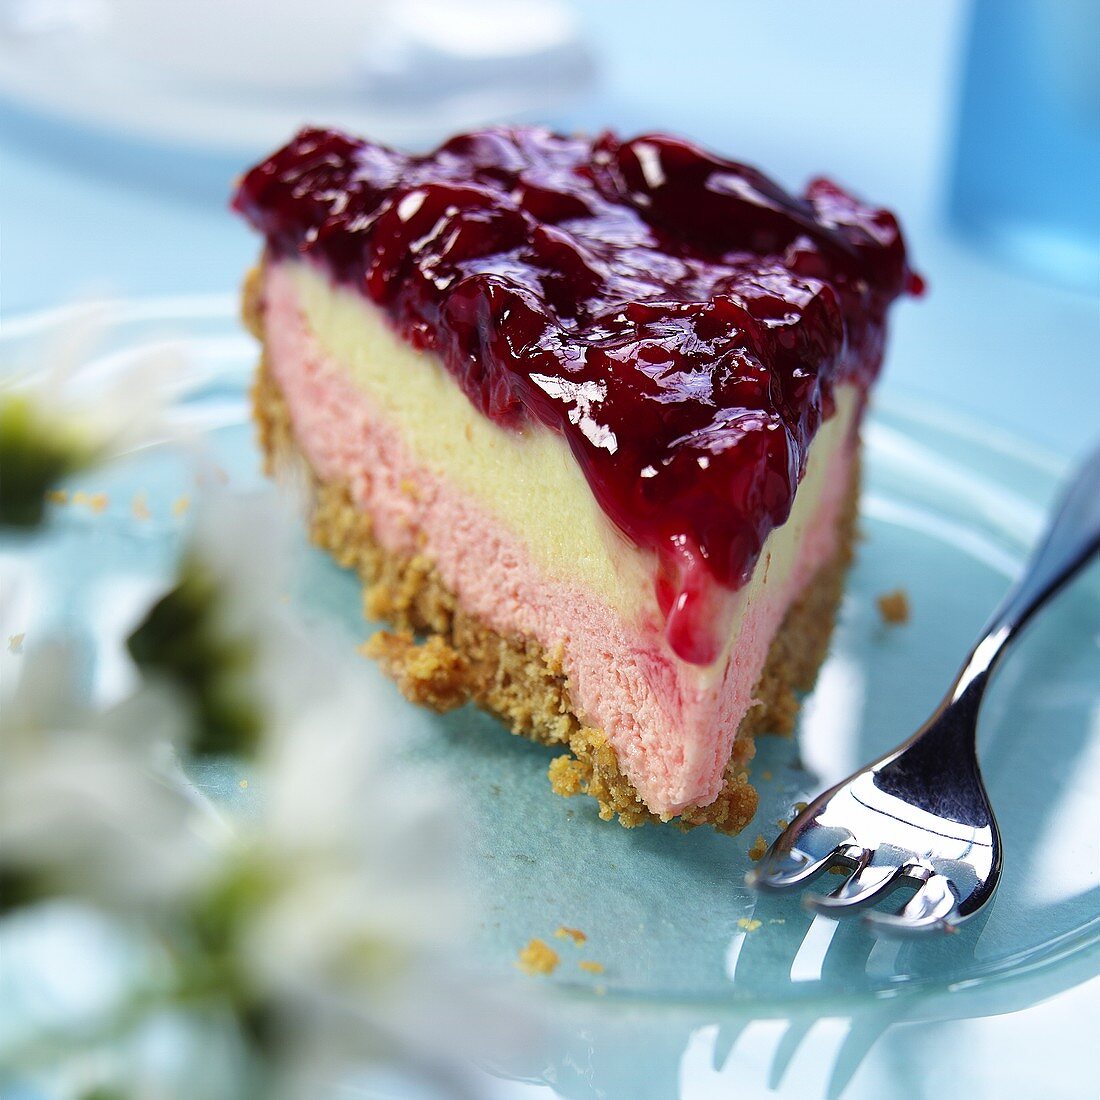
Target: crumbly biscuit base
[(442, 657)]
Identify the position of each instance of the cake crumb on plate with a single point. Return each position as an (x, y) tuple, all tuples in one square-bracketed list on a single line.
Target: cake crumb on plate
[(749, 924), (894, 606), (574, 934), (759, 847), (140, 506), (591, 966), (97, 502), (15, 642), (538, 957)]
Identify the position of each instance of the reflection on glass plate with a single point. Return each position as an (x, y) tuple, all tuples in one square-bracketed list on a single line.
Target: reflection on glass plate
[(949, 511)]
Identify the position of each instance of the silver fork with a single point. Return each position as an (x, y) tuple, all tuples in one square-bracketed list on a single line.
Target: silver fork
[(920, 814)]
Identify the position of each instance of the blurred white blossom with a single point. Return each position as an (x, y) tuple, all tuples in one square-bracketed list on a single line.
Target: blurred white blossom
[(322, 925), (83, 810), (64, 413)]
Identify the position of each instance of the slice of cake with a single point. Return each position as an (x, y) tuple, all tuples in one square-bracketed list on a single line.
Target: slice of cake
[(584, 415)]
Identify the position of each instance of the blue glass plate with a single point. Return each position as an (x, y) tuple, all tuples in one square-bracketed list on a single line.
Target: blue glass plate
[(948, 512)]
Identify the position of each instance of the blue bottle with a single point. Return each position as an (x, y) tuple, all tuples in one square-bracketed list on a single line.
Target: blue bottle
[(1026, 173)]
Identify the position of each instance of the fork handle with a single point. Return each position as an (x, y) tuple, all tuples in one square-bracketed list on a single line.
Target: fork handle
[(1072, 538)]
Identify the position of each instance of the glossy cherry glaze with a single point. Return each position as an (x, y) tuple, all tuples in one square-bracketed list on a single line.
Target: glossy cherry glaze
[(680, 319)]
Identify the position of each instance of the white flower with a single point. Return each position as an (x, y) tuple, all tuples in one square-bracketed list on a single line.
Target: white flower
[(68, 411), (326, 921), (83, 810), (116, 402), (365, 863), (354, 929)]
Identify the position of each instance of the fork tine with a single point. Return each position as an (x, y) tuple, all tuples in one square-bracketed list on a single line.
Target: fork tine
[(782, 870), (928, 909), (866, 883)]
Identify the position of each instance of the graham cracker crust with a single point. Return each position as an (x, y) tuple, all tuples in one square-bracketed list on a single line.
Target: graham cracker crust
[(442, 657)]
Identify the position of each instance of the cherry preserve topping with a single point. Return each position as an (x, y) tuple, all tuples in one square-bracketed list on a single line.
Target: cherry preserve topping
[(680, 319)]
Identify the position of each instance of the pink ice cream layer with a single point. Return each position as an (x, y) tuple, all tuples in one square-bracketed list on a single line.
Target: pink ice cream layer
[(672, 725)]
